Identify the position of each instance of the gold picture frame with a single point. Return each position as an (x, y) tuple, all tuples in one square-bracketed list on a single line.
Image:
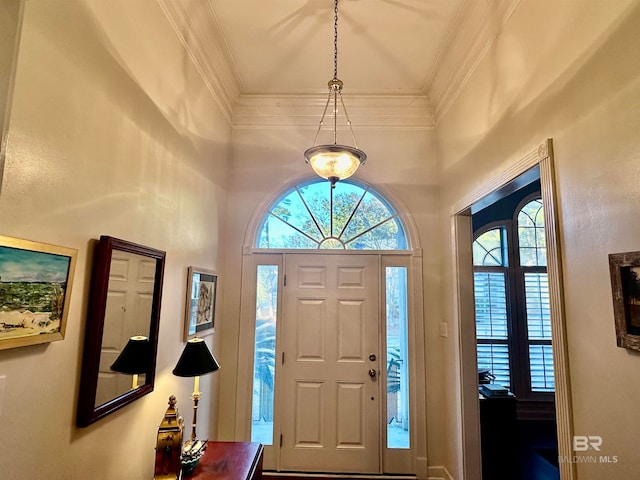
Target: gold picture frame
[(200, 304), (35, 291)]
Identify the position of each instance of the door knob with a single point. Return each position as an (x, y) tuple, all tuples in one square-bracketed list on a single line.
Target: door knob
[(372, 373)]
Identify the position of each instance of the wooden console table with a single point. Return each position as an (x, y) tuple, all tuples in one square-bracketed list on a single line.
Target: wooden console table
[(229, 461)]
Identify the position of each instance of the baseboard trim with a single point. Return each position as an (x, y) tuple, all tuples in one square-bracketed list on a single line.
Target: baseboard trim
[(433, 473), (331, 476), (438, 473)]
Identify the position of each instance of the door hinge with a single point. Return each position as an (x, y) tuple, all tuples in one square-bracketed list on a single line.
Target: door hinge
[(285, 280), (280, 440), (282, 358)]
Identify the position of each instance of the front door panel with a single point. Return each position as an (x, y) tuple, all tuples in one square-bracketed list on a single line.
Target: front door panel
[(330, 408)]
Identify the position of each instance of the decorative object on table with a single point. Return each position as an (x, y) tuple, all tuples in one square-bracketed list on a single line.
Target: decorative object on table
[(493, 390), (196, 360), (169, 444), (134, 359), (35, 290), (334, 161), (625, 287), (200, 305), (124, 300), (485, 376)]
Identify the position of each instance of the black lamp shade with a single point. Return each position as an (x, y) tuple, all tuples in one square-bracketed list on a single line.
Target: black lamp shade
[(196, 360), (135, 356)]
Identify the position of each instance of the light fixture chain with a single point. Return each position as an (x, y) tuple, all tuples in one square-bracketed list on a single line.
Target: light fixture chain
[(335, 162), (335, 39)]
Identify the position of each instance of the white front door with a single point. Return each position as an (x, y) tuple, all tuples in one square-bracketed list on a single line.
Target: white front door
[(330, 390)]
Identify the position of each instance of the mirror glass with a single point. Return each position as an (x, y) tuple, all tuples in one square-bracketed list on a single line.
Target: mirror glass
[(124, 305), (127, 314)]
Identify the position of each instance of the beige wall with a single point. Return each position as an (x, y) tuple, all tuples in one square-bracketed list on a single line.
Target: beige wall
[(112, 132), (10, 22), (569, 71), (265, 160)]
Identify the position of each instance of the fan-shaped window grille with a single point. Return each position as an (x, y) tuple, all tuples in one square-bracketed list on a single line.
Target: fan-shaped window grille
[(347, 217)]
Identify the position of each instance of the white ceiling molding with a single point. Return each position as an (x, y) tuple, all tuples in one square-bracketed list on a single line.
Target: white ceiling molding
[(192, 20), (478, 24), (405, 112)]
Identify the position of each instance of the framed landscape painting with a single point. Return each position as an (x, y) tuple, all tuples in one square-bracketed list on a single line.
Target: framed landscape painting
[(200, 304), (35, 290), (625, 286)]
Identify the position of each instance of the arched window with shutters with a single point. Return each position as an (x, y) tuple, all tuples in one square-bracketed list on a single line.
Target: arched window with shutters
[(490, 284), (513, 319), (533, 275)]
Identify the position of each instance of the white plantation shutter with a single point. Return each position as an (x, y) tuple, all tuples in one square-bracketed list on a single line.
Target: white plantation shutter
[(490, 287), (491, 305), (536, 289), (539, 328), (495, 357), (541, 361), (491, 324)]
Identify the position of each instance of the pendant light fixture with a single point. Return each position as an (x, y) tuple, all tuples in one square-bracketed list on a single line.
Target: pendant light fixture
[(334, 161)]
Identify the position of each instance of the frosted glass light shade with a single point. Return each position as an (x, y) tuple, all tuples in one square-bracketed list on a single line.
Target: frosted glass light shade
[(334, 162)]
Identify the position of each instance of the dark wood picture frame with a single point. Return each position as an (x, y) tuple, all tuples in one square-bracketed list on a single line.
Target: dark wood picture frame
[(88, 411), (625, 288)]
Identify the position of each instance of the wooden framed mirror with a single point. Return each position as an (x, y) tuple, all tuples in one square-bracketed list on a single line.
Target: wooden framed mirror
[(124, 302)]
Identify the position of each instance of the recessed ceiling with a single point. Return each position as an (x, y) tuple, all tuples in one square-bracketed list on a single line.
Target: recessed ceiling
[(286, 46), (385, 47)]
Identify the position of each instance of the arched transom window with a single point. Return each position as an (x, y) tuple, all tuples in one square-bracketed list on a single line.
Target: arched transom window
[(348, 217)]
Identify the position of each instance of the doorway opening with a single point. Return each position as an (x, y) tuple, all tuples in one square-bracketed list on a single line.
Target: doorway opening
[(494, 346), (513, 336)]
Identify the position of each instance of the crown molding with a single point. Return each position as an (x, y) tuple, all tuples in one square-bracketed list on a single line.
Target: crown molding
[(207, 48), (477, 25), (406, 112)]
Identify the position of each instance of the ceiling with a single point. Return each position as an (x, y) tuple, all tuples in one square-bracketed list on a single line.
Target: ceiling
[(385, 47)]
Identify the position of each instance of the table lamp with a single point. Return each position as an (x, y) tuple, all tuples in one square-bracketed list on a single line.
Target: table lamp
[(196, 360), (134, 359)]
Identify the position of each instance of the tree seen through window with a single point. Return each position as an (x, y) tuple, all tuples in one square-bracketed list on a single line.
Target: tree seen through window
[(348, 217)]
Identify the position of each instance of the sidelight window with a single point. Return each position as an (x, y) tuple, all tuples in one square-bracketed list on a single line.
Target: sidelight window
[(264, 359), (397, 358)]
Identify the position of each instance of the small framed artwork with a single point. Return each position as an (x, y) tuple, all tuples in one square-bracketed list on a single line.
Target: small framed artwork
[(625, 286), (200, 303), (35, 290)]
